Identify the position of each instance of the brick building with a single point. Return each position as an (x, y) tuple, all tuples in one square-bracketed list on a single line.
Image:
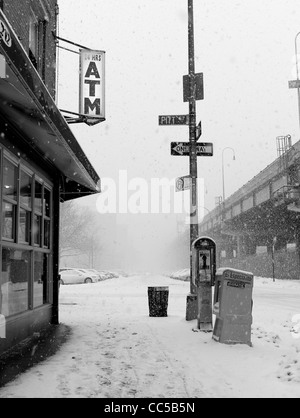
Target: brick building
[(41, 164)]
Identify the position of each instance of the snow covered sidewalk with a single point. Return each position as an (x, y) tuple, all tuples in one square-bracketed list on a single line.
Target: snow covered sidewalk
[(117, 351)]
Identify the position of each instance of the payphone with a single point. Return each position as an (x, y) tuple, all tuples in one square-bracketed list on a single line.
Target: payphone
[(204, 271)]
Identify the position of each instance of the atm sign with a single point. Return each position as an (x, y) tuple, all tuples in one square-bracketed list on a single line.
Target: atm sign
[(92, 83)]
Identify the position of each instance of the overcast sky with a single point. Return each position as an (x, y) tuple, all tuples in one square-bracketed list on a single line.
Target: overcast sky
[(246, 51)]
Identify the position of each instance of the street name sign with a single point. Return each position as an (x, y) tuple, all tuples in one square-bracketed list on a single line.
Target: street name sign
[(173, 120), (294, 84), (204, 149), (183, 183), (199, 87)]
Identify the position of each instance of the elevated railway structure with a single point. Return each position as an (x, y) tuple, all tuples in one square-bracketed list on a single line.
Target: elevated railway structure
[(258, 227)]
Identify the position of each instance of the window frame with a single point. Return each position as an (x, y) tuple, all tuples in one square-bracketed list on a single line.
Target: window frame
[(37, 39), (23, 206), (9, 200), (17, 243), (33, 38)]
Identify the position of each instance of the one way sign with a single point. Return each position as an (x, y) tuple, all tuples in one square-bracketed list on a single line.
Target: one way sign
[(204, 149)]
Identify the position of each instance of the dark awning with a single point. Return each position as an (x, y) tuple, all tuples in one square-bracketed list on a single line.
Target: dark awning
[(27, 104)]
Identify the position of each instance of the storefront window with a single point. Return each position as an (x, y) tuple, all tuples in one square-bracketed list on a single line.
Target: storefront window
[(8, 220), (14, 281), (37, 229), (24, 226), (47, 201), (38, 197), (40, 287), (25, 189), (47, 234), (25, 222), (9, 180)]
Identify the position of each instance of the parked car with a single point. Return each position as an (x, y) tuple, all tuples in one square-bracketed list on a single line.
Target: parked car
[(76, 276), (105, 275), (83, 270), (94, 272)]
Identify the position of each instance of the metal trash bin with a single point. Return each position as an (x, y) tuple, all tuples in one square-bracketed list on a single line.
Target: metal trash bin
[(158, 298)]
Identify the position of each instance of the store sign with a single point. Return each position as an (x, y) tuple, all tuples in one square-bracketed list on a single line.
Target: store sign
[(4, 34), (92, 84)]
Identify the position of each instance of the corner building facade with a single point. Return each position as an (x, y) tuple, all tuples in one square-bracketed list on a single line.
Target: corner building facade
[(41, 164)]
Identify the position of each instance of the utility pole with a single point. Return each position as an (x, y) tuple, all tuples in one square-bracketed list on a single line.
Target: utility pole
[(193, 90), (192, 298)]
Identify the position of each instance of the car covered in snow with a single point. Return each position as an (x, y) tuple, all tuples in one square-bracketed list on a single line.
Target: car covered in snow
[(77, 276), (105, 275), (184, 275)]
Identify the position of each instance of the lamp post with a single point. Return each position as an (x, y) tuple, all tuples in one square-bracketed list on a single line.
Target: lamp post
[(223, 177), (297, 68)]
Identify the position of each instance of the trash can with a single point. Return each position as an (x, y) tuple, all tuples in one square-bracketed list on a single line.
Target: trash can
[(158, 298)]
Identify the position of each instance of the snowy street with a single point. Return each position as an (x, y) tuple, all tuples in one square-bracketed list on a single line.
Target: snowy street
[(117, 351)]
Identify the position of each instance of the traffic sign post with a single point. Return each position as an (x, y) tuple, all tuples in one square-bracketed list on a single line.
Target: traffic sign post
[(174, 120), (294, 84), (183, 183), (190, 94), (193, 90), (204, 149), (198, 131), (199, 94)]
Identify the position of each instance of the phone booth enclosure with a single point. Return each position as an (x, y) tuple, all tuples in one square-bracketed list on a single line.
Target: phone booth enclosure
[(233, 306), (217, 291), (233, 292)]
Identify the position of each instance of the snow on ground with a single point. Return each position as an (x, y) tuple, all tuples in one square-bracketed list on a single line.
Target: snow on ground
[(117, 351)]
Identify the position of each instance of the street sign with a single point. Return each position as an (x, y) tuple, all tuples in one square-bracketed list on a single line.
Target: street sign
[(198, 131), (294, 84), (183, 183), (199, 87), (204, 149), (169, 120)]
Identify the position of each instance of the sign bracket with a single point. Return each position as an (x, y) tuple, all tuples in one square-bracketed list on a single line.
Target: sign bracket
[(89, 120), (58, 38)]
